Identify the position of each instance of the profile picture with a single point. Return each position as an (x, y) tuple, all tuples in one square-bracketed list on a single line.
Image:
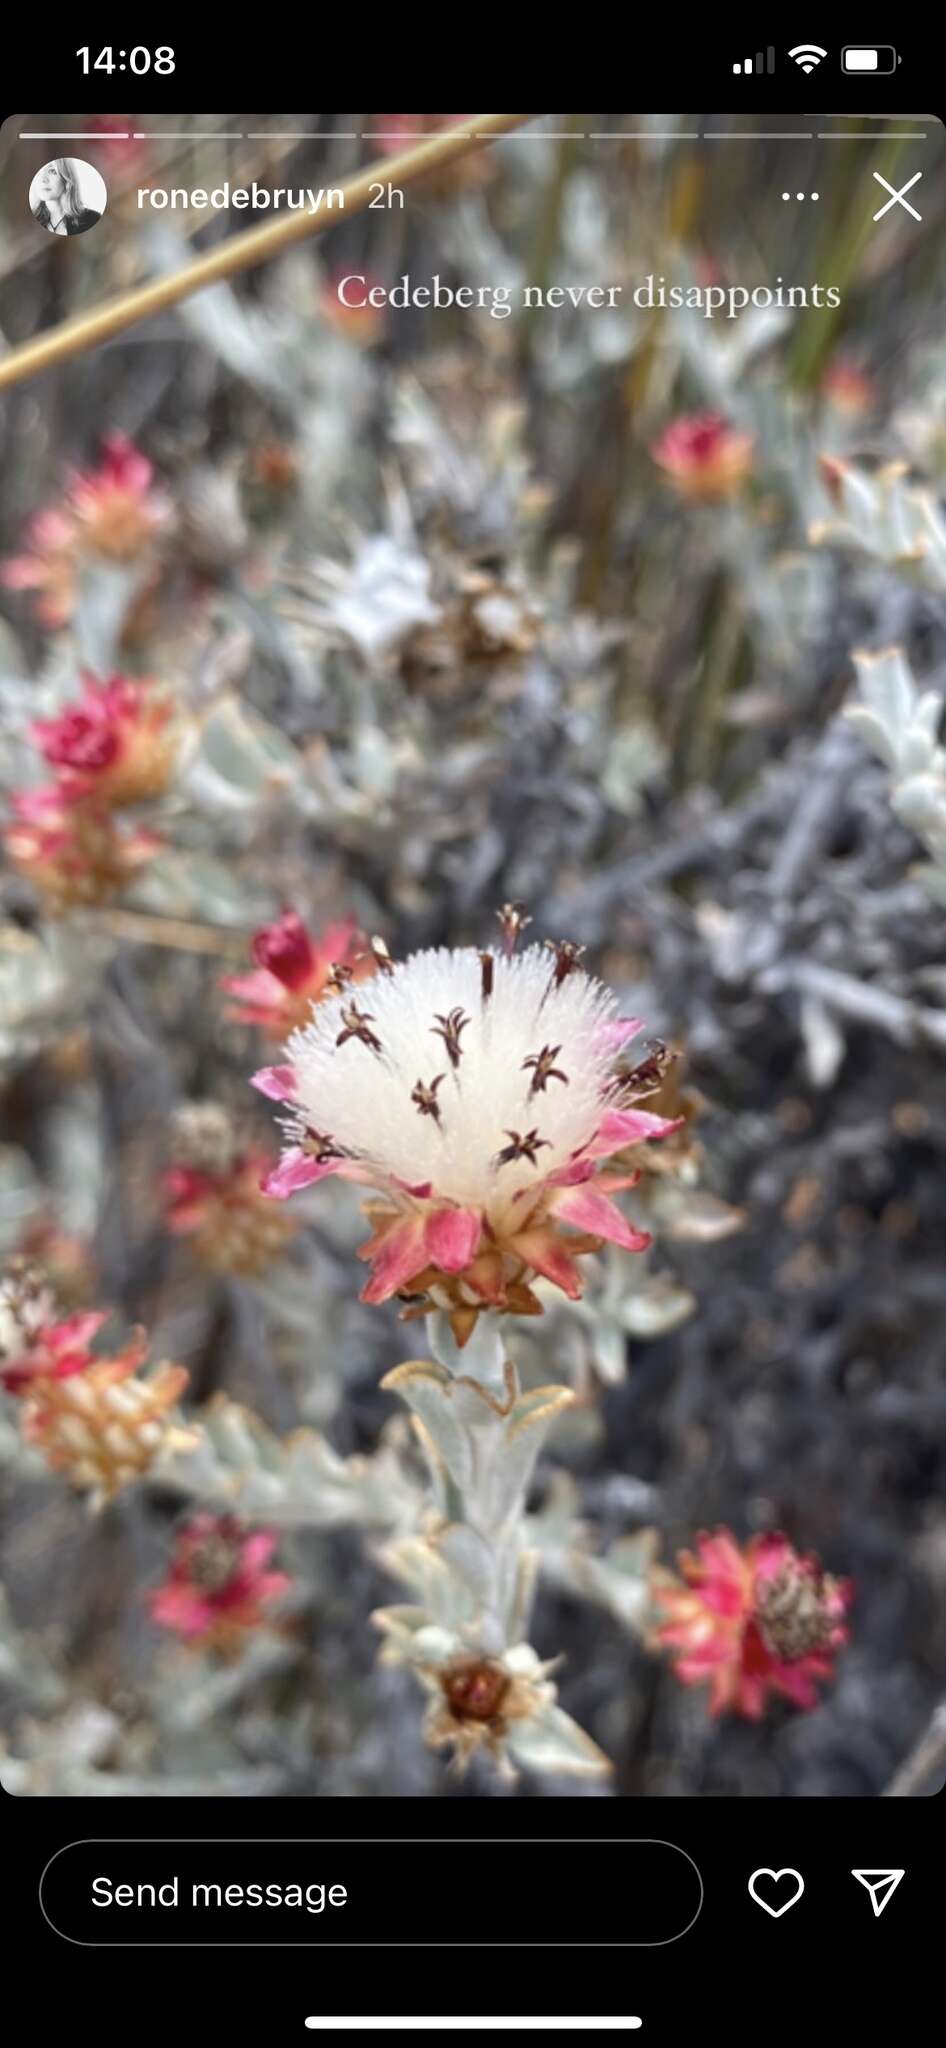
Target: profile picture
[(68, 196)]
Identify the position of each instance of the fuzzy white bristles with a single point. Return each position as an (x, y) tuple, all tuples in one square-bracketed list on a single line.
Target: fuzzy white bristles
[(362, 1094)]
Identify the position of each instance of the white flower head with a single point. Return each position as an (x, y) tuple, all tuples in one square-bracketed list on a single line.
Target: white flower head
[(476, 1091)]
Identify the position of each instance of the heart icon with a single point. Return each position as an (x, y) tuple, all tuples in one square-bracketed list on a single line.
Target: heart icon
[(776, 1876)]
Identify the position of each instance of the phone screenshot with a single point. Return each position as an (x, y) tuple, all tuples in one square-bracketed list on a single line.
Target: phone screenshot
[(473, 1047)]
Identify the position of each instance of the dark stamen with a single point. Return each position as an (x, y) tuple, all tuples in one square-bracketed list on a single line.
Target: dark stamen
[(450, 1029), (567, 957), (425, 1097), (381, 956), (487, 967), (320, 1146), (356, 1023), (544, 1069), (512, 922), (338, 978), (521, 1146)]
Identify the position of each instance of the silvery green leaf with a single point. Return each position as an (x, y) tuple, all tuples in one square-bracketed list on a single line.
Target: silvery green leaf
[(552, 1742), (469, 1555), (920, 801), (503, 1489), (428, 1391), (296, 1481), (183, 884), (619, 1580), (238, 759), (900, 724), (105, 595), (658, 1306), (882, 514), (195, 1689)]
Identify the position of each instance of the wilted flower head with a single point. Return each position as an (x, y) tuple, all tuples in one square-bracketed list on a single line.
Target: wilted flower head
[(113, 743), (704, 456), (295, 969), (74, 852), (752, 1621), (476, 1700), (478, 1093), (105, 1425), (213, 1197), (218, 1587), (113, 512)]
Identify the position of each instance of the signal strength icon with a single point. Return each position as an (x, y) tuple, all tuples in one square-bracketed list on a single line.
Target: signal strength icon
[(807, 55), (764, 60)]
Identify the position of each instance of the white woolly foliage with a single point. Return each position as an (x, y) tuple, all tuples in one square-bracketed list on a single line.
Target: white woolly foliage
[(900, 723), (362, 1097)]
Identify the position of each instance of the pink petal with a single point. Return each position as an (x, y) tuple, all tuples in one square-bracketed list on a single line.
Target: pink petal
[(572, 1175), (543, 1250), (452, 1238), (395, 1258), (261, 989), (296, 1170), (620, 1127), (279, 1083), (619, 1031), (334, 942), (587, 1209), (257, 1550)]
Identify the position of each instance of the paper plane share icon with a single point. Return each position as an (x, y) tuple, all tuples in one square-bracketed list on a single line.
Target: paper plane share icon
[(881, 1884)]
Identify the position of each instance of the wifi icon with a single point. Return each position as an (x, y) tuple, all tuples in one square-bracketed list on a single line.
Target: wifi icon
[(807, 55)]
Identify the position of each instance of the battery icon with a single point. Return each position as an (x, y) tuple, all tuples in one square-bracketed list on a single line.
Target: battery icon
[(866, 58)]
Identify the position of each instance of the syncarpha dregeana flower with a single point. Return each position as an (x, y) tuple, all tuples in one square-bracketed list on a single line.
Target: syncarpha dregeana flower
[(42, 1348), (74, 852), (296, 968), (105, 1426), (118, 507), (213, 1196), (113, 743), (113, 512), (478, 1092), (752, 1621), (218, 1586), (704, 456)]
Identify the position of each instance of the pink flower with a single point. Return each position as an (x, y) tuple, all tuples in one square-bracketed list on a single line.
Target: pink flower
[(113, 512), (295, 970), (750, 1622), (478, 1094), (218, 1587), (118, 508), (48, 1350), (73, 852), (221, 1210), (704, 456), (112, 743)]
